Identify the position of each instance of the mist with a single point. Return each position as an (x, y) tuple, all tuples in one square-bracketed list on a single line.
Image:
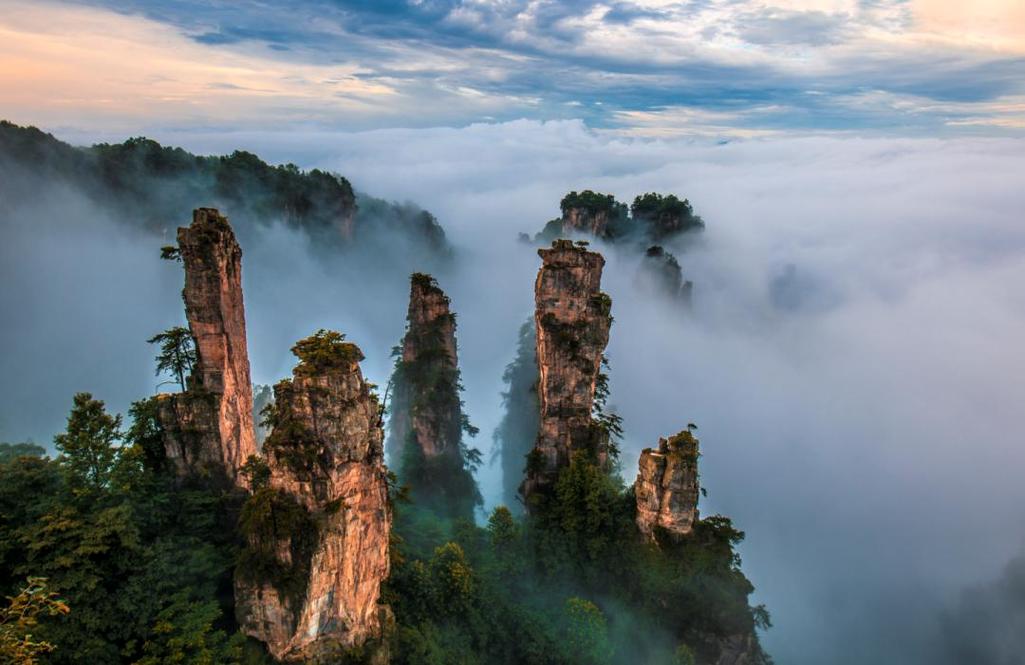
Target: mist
[(851, 359)]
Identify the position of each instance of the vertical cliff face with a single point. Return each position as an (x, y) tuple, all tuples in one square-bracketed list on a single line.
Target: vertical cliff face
[(429, 349), (317, 531), (667, 487), (427, 421), (586, 220), (209, 427), (572, 321)]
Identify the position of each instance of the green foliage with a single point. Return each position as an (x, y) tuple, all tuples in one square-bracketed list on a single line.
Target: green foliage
[(270, 518), (256, 472), (426, 393), (325, 350), (609, 423), (88, 445), (177, 354), (119, 541), (424, 281), (12, 451), (593, 203), (185, 632), (147, 434), (171, 253), (517, 431), (151, 185), (664, 216), (587, 637), (290, 441), (21, 616)]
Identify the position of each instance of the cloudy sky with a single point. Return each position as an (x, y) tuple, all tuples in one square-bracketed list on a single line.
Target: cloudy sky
[(652, 67)]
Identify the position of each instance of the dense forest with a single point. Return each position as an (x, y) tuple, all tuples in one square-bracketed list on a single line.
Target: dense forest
[(144, 183)]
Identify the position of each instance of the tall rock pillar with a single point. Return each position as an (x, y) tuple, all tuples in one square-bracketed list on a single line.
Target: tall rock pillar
[(572, 320), (427, 422), (209, 428), (317, 527)]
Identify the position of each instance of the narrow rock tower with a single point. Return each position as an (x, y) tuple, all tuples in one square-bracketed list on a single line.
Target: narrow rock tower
[(427, 423), (572, 319), (317, 526), (667, 487), (209, 427)]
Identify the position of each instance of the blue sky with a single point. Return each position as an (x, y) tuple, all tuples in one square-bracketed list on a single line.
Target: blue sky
[(651, 67)]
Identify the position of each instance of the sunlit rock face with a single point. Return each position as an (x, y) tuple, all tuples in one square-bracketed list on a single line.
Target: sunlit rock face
[(572, 319), (209, 428), (317, 534), (667, 487)]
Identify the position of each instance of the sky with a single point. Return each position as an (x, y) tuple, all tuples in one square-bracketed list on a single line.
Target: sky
[(720, 68), (853, 359)]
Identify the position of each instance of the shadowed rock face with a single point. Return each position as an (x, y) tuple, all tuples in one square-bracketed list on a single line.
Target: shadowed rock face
[(311, 590), (427, 420), (572, 320), (429, 346), (209, 427), (667, 487)]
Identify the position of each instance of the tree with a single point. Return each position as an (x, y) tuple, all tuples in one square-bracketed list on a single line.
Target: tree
[(587, 637), (88, 445), (185, 632), (21, 615), (177, 353)]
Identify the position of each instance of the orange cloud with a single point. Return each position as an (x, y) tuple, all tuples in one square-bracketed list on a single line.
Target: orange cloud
[(114, 69)]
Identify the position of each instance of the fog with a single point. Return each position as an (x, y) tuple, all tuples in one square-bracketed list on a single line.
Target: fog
[(852, 359)]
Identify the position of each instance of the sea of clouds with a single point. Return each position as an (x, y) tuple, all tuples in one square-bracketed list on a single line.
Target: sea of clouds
[(853, 358)]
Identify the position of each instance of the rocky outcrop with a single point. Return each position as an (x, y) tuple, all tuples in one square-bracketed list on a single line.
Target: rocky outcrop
[(667, 487), (317, 529), (572, 321), (591, 213), (209, 427), (586, 220), (660, 273), (427, 421)]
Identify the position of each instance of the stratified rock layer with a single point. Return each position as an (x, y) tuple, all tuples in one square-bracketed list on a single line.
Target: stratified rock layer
[(209, 427), (325, 456), (667, 487), (572, 320)]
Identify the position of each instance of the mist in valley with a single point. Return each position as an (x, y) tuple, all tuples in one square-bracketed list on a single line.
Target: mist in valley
[(851, 357)]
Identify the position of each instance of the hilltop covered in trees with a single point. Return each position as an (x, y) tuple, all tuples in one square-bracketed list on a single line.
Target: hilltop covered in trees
[(145, 183)]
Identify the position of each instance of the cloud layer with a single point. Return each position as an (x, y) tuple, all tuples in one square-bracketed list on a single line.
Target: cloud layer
[(851, 360), (657, 67)]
